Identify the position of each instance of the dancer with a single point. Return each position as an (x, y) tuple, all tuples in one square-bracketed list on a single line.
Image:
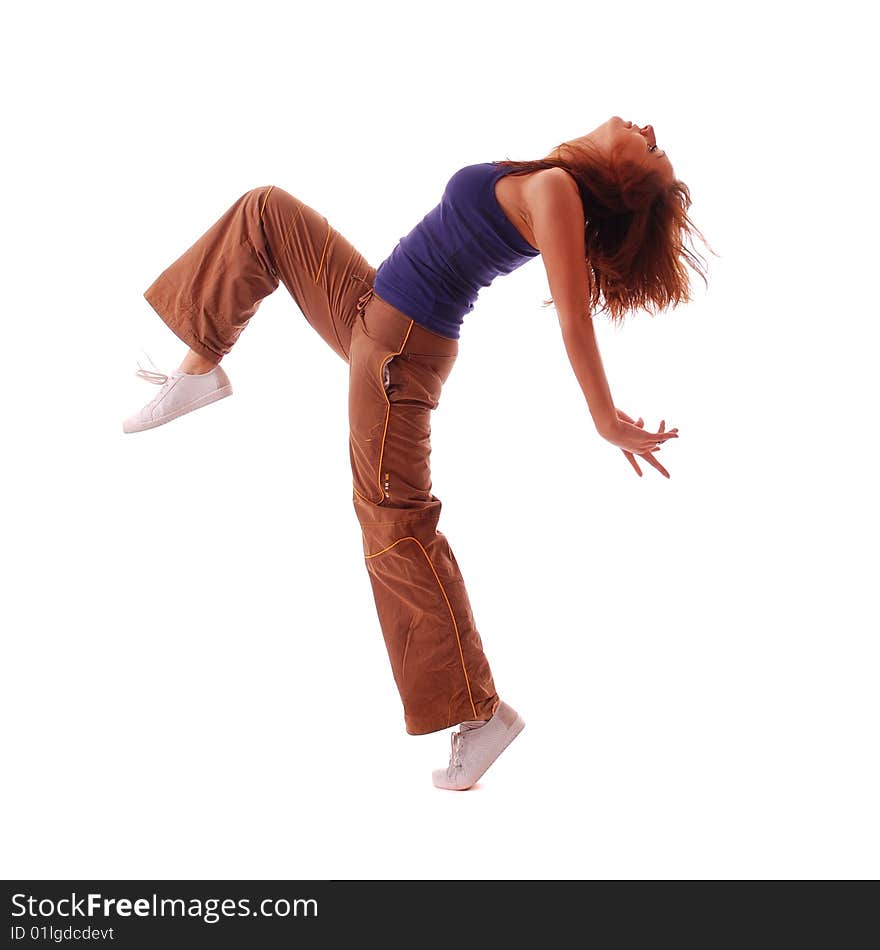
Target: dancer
[(609, 219)]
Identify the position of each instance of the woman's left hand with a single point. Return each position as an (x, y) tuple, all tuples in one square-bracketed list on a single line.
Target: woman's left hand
[(647, 456)]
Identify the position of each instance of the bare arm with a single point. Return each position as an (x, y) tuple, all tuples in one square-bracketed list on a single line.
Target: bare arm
[(586, 361), (557, 219)]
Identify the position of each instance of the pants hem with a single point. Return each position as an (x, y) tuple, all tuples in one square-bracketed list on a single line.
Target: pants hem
[(181, 328), (425, 725)]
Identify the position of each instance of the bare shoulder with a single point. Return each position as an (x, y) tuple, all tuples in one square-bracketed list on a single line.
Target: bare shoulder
[(549, 195), (550, 184)]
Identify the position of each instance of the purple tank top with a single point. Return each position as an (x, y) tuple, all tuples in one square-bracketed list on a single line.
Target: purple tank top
[(435, 272)]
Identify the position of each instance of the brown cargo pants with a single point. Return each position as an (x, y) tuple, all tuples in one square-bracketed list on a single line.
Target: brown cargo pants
[(396, 371)]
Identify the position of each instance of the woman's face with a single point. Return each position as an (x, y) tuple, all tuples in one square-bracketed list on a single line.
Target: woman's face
[(635, 143)]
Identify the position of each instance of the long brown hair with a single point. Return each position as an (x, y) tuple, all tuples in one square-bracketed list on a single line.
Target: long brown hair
[(636, 230)]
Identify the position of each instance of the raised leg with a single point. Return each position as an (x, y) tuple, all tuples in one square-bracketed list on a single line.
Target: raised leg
[(208, 295)]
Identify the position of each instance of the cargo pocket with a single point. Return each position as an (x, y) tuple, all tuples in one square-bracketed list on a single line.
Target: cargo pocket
[(410, 379), (392, 375), (368, 412)]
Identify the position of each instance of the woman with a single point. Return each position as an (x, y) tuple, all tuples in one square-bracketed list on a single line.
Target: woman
[(607, 216)]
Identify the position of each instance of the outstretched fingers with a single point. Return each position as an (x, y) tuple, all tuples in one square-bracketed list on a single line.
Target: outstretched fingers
[(647, 444), (661, 435), (633, 462), (652, 461)]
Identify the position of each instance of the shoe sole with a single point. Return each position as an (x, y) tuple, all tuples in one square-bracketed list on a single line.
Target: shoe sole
[(515, 729), (198, 404)]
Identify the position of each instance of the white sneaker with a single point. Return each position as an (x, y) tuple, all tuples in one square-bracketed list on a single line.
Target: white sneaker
[(180, 393), (476, 746)]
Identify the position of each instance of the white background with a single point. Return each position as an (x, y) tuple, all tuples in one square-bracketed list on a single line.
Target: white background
[(195, 679)]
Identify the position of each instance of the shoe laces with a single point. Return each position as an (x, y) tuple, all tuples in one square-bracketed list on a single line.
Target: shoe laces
[(455, 758), (151, 376)]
